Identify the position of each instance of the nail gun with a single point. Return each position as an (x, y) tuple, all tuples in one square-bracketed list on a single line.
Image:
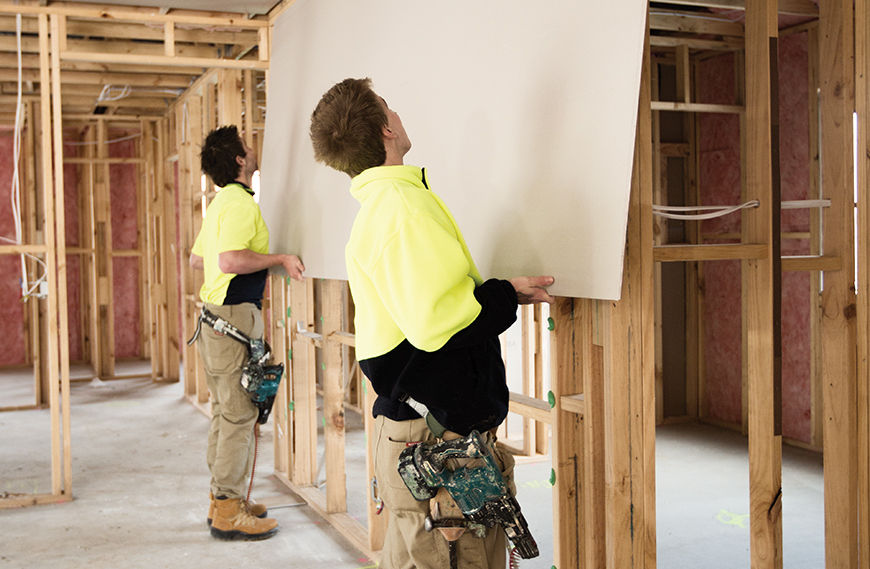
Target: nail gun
[(478, 489), (258, 379)]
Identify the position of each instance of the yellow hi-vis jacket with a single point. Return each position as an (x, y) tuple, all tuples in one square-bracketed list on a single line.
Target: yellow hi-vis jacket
[(411, 274)]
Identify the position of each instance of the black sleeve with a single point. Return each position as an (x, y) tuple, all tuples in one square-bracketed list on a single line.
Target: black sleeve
[(498, 301)]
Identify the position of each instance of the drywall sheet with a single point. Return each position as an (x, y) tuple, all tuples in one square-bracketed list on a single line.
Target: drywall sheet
[(523, 114)]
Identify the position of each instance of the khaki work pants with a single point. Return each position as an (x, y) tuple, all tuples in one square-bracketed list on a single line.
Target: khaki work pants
[(230, 451), (407, 545)]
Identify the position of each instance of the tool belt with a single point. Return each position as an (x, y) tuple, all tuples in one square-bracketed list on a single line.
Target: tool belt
[(259, 380), (471, 495)]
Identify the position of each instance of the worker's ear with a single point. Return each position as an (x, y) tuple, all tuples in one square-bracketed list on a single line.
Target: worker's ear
[(385, 130), (240, 160)]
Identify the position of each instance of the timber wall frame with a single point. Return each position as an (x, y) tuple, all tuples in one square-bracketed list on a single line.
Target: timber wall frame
[(72, 51), (603, 354), (603, 406)]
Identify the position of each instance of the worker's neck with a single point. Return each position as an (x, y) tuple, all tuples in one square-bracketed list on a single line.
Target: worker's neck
[(245, 180), (394, 158)]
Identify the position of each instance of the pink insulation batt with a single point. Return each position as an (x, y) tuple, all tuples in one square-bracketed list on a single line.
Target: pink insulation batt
[(719, 182)]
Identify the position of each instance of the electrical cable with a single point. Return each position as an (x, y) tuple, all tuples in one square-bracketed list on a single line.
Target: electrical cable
[(113, 141), (15, 195), (713, 211), (254, 464)]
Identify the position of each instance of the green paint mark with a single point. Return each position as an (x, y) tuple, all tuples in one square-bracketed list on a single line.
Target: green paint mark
[(321, 319), (323, 421), (323, 366), (290, 354), (552, 477), (287, 281), (291, 406), (288, 312), (551, 399), (732, 519), (551, 325)]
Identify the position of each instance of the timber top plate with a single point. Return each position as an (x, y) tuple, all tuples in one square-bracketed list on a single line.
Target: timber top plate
[(249, 7)]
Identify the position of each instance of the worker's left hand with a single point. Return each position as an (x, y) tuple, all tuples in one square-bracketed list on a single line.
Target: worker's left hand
[(533, 290)]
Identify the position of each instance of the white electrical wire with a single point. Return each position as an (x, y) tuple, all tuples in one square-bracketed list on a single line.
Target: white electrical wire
[(113, 141), (111, 93), (714, 211), (15, 193)]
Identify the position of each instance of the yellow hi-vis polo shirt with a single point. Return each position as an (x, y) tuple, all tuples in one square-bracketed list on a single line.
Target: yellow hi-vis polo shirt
[(232, 222)]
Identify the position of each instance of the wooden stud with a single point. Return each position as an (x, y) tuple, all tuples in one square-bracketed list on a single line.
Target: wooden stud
[(186, 275), (814, 191), (170, 299), (86, 255), (169, 39), (541, 438), (333, 399), (759, 297), (862, 106), (250, 101), (592, 361), (528, 374), (694, 297), (142, 251), (280, 322), (838, 307), (568, 521), (684, 74), (643, 388), (304, 383), (105, 268), (54, 305), (57, 37), (661, 153), (230, 97), (147, 266), (263, 43)]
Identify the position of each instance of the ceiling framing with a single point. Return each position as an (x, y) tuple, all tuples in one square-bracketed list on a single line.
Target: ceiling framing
[(122, 60)]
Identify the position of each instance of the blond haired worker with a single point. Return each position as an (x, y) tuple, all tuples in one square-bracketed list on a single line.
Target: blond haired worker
[(232, 250), (427, 324)]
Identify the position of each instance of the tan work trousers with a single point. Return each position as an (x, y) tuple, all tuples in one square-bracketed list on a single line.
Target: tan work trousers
[(230, 451), (407, 545)]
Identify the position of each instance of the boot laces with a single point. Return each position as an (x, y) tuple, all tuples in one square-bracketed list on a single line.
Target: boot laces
[(244, 518)]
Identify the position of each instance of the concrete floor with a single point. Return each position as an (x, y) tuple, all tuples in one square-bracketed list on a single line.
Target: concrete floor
[(140, 485), (702, 501)]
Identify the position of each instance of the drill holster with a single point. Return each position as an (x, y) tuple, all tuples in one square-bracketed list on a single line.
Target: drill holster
[(258, 379)]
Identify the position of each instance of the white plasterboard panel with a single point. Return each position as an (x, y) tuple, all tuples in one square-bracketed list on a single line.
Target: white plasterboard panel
[(523, 114)]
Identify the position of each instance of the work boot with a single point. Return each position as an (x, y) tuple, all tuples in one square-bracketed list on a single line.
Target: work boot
[(233, 521), (256, 510)]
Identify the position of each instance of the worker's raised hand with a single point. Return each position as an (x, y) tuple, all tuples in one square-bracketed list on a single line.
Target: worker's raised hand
[(532, 290), (293, 265)]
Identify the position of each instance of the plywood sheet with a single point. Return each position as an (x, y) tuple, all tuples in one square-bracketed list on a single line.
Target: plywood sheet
[(523, 114)]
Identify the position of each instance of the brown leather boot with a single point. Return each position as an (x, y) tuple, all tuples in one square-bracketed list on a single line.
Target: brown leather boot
[(233, 521), (256, 510)]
